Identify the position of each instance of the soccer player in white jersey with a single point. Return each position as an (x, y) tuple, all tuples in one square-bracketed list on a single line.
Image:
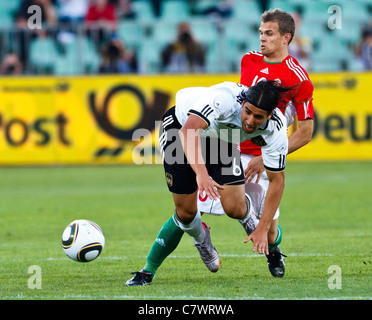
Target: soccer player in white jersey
[(228, 113)]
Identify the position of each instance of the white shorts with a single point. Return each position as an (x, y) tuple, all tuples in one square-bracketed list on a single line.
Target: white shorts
[(256, 192)]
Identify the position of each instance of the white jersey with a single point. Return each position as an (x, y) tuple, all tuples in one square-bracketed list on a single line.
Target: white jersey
[(220, 107)]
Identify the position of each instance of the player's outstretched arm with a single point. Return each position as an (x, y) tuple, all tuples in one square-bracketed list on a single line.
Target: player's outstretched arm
[(190, 138), (272, 201), (301, 136)]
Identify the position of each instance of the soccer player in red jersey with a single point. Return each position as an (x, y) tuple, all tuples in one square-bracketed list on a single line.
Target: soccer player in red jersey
[(273, 62)]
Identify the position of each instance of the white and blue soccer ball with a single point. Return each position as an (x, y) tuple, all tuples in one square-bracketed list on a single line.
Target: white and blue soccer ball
[(83, 240)]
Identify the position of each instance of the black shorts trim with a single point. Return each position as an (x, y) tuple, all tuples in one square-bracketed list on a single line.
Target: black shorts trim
[(274, 169)]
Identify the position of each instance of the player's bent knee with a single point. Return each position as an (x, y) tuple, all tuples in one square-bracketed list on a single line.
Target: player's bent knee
[(236, 211), (185, 215), (186, 207)]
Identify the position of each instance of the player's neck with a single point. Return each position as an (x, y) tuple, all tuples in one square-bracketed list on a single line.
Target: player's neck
[(276, 56)]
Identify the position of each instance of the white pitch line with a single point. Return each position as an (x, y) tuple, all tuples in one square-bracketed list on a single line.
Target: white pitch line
[(239, 256), (183, 297)]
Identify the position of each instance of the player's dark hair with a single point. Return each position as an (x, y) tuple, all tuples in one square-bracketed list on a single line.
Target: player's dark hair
[(264, 94), (285, 21)]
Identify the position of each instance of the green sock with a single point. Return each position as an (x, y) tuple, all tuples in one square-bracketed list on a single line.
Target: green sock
[(164, 244), (278, 240)]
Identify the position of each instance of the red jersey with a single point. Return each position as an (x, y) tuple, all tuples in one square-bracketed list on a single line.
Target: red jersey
[(107, 14), (289, 72)]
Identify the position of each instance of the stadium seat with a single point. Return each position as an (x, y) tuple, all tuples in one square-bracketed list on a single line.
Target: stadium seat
[(130, 33), (66, 65), (213, 60), (247, 10), (285, 5), (311, 29), (7, 11), (350, 32), (80, 56), (332, 46), (355, 11), (316, 11), (164, 32), (143, 10), (325, 65), (9, 6), (89, 55), (6, 19), (149, 56), (204, 30), (237, 36), (43, 54), (332, 51), (296, 2), (175, 11), (67, 61), (238, 31), (201, 6)]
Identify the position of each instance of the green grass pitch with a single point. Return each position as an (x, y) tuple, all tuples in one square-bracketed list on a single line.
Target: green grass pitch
[(325, 216)]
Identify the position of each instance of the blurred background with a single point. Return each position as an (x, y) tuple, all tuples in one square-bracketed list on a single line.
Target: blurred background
[(79, 77), (135, 36)]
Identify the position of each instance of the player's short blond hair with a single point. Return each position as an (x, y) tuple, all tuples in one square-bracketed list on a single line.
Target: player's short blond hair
[(285, 21)]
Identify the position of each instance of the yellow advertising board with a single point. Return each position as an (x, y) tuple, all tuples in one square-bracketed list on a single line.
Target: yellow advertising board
[(343, 118), (114, 119)]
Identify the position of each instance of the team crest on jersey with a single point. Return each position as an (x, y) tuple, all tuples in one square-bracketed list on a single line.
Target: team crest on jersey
[(169, 179), (259, 141)]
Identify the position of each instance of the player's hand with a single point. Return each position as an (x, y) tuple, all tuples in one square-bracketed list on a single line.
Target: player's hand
[(255, 168), (260, 242), (209, 186)]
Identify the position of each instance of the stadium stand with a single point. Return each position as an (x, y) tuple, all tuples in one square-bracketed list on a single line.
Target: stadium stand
[(175, 11), (43, 54), (227, 35)]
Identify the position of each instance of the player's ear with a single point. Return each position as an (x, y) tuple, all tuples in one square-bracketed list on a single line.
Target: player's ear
[(270, 115), (287, 38)]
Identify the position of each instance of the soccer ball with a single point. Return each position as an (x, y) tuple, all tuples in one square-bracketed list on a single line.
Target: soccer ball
[(83, 240)]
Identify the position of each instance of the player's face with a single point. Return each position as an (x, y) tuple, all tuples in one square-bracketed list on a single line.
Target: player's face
[(253, 117), (271, 40)]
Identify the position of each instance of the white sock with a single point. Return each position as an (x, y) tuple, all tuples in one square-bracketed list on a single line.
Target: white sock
[(248, 202), (194, 228)]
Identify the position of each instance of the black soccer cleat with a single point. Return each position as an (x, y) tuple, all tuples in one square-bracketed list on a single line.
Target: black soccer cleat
[(141, 278), (275, 262)]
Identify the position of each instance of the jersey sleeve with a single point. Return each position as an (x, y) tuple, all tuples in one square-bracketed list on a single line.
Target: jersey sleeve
[(303, 100)]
